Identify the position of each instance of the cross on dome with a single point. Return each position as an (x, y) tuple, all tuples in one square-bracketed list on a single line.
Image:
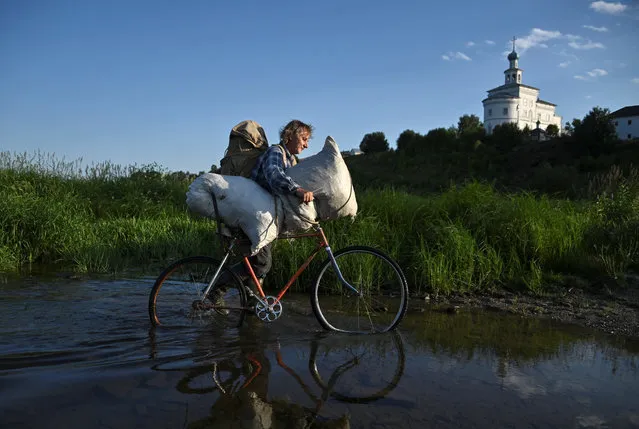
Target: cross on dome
[(513, 55)]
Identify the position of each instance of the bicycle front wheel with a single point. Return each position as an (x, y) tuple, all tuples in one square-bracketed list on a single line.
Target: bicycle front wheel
[(177, 295), (371, 295)]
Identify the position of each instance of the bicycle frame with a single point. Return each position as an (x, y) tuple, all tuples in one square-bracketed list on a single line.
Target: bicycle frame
[(322, 243)]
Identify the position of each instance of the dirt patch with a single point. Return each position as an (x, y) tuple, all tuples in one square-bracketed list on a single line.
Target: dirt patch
[(612, 310)]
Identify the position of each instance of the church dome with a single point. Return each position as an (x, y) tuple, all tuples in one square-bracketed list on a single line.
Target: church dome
[(513, 56)]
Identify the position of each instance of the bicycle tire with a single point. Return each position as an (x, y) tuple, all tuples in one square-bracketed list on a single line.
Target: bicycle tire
[(383, 299), (176, 296), (372, 368), (201, 380)]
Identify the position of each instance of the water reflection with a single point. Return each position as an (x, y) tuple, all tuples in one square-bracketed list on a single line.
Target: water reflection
[(515, 341), (244, 387), (80, 354)]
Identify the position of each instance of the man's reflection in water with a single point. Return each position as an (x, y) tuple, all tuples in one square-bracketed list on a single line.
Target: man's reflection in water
[(245, 403)]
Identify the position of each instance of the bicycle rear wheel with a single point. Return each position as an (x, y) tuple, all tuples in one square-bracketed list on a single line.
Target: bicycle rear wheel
[(378, 300), (176, 297)]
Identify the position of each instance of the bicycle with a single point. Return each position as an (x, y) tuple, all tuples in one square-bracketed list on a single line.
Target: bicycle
[(359, 289), (336, 365), (347, 369)]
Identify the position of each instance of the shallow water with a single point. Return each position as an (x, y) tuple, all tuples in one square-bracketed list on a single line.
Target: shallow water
[(81, 353)]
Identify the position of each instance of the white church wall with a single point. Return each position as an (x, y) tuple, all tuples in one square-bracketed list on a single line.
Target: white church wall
[(627, 128)]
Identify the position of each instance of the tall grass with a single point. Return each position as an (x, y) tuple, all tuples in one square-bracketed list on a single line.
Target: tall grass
[(465, 239)]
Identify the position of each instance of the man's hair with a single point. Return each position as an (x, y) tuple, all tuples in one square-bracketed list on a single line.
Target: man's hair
[(294, 128)]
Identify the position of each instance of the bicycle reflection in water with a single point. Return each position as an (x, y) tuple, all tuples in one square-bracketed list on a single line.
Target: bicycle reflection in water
[(345, 368)]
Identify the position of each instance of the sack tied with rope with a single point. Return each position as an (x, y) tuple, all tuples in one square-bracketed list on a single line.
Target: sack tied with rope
[(262, 217), (327, 175)]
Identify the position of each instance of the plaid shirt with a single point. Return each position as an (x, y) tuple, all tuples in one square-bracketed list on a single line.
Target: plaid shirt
[(269, 171)]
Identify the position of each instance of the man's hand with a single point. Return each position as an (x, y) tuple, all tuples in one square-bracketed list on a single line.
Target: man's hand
[(304, 195)]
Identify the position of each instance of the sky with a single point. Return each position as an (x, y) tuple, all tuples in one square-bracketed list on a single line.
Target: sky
[(137, 82)]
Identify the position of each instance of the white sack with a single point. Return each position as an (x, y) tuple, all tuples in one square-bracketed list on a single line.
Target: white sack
[(241, 203), (297, 215), (327, 176)]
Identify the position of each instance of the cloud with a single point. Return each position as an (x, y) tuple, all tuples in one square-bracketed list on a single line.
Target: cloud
[(598, 29), (565, 53), (591, 75), (536, 39), (564, 64), (635, 80), (471, 43), (597, 72), (489, 42), (606, 7), (587, 45), (456, 56), (523, 385)]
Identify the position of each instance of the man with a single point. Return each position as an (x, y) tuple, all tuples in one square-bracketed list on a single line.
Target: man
[(270, 173)]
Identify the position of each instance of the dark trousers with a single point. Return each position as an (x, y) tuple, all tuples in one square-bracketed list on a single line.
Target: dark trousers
[(262, 261)]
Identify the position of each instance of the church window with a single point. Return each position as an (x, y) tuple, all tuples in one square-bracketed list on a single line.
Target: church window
[(629, 121), (629, 136), (507, 78), (518, 78), (490, 112), (505, 110)]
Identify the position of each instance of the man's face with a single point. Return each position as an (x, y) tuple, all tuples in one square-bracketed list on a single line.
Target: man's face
[(299, 142)]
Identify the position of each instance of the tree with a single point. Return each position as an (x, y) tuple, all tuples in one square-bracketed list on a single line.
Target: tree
[(469, 124), (568, 128), (552, 130), (374, 142), (596, 130), (439, 138), (506, 136), (408, 141), (469, 130)]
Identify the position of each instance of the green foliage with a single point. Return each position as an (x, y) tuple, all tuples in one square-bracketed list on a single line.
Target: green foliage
[(374, 142), (552, 130), (470, 235), (614, 233), (470, 129), (507, 136), (469, 124), (439, 138), (408, 141), (596, 131)]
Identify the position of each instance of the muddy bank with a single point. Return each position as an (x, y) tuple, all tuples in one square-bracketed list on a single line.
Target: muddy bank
[(605, 306)]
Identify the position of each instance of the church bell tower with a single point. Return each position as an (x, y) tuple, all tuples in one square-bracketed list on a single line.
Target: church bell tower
[(513, 74)]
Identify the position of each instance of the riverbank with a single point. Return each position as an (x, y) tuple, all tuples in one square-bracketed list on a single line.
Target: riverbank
[(612, 309)]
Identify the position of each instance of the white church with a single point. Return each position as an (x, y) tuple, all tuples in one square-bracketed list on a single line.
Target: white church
[(518, 103)]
